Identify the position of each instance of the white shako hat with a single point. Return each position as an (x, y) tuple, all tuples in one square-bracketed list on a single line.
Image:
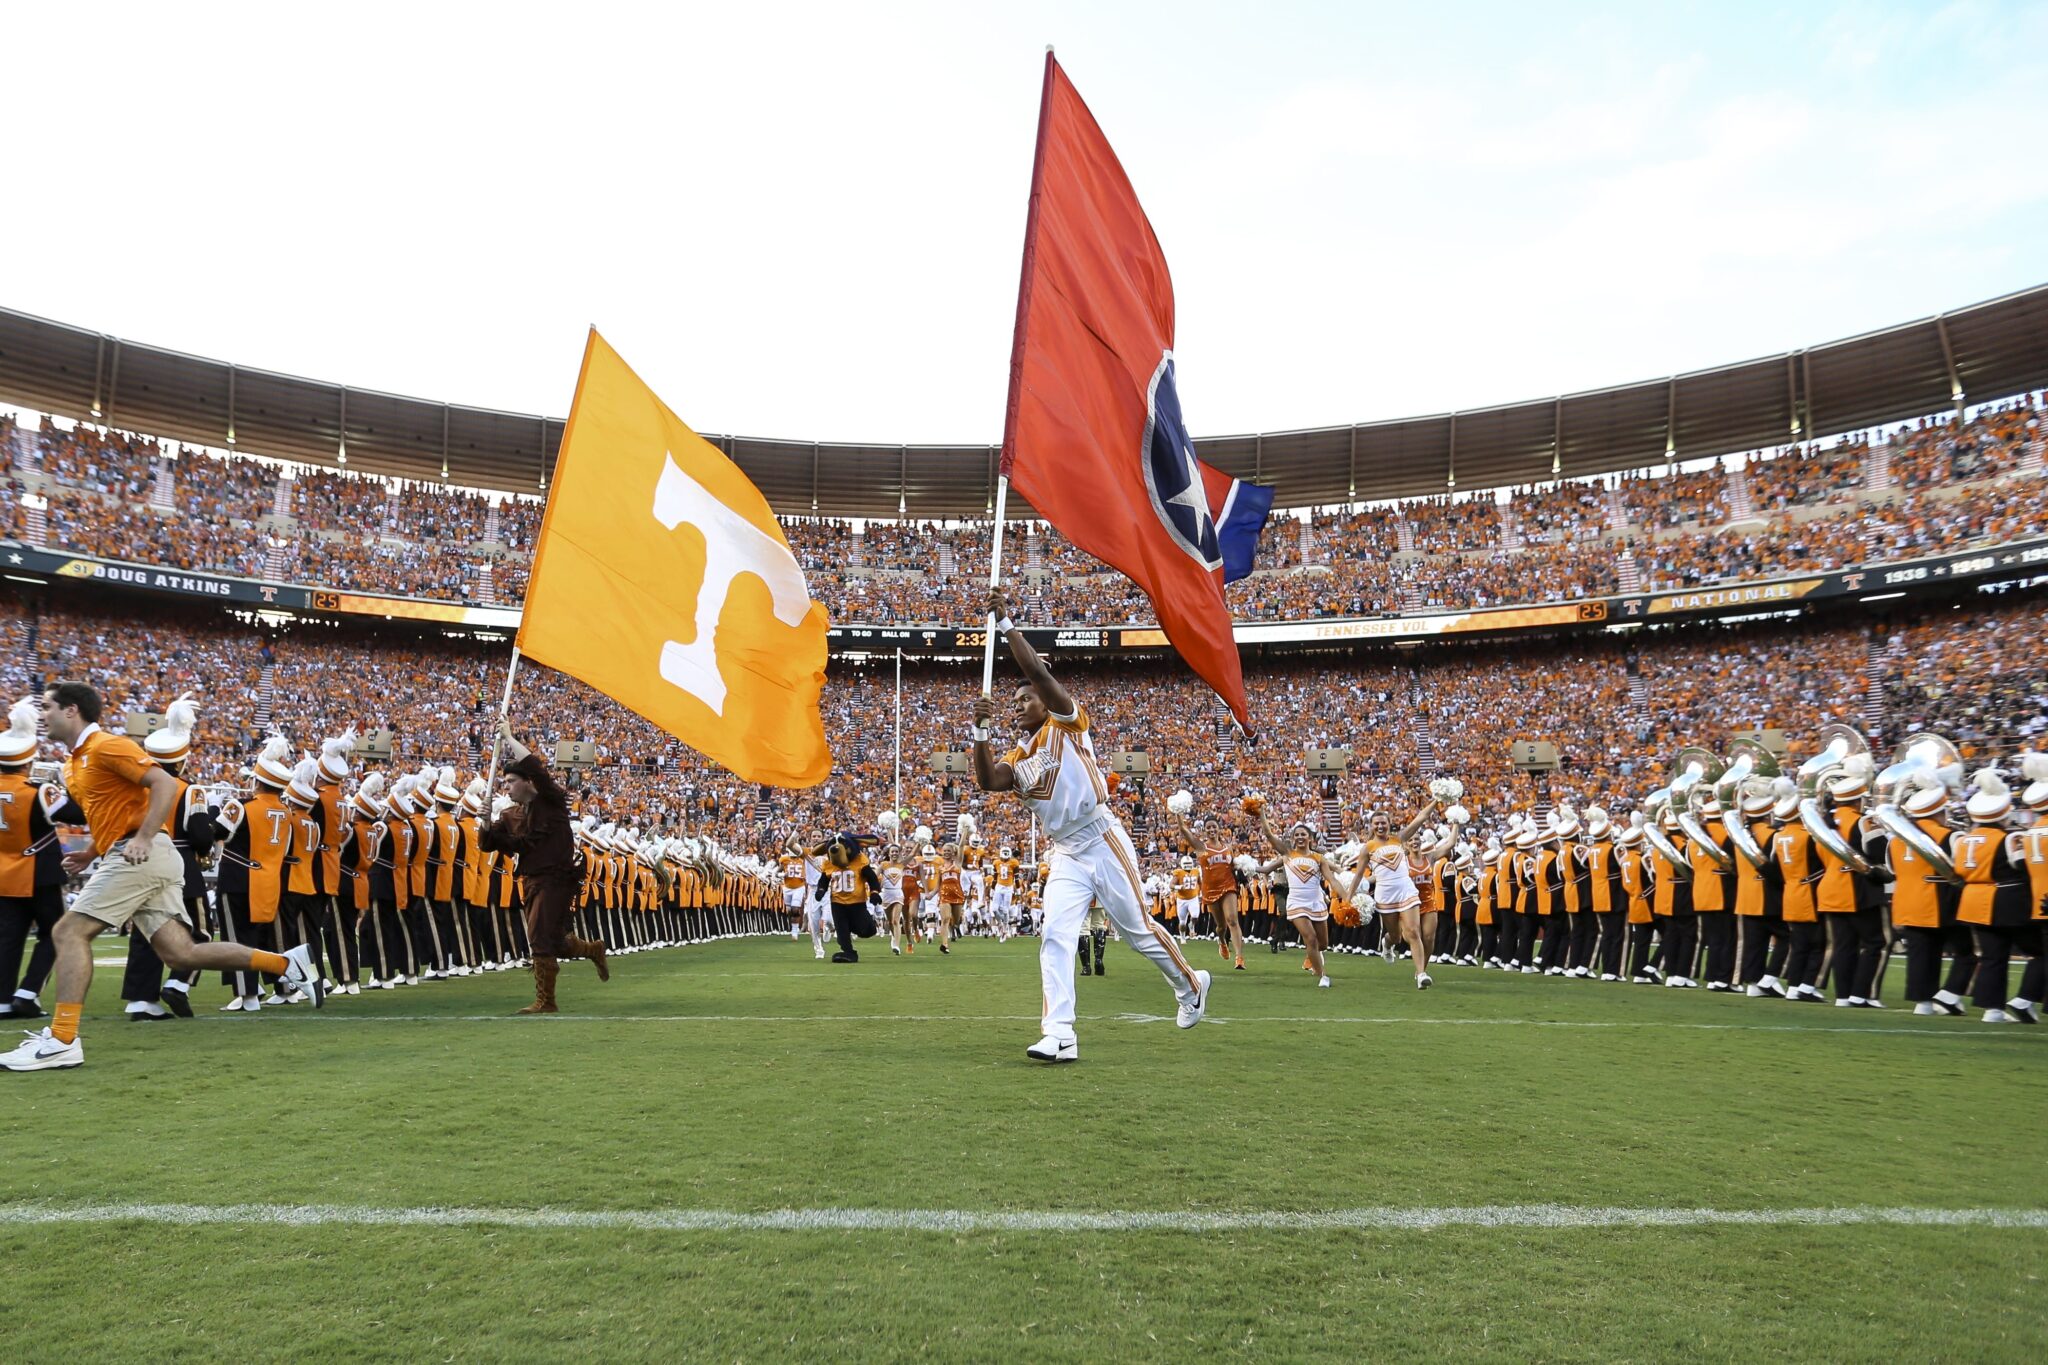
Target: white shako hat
[(173, 743), (273, 767), (18, 745)]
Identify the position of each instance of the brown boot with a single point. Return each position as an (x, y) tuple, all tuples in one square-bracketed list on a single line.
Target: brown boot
[(592, 949), (545, 970)]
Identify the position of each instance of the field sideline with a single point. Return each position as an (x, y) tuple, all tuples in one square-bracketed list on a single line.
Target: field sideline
[(734, 1152)]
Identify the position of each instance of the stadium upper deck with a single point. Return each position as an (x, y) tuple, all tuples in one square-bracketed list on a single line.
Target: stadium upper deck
[(1982, 352)]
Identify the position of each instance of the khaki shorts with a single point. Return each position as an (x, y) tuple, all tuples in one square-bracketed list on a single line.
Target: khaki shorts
[(140, 896)]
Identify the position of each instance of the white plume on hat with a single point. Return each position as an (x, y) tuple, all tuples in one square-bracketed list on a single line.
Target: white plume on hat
[(18, 745), (369, 797), (2034, 767), (1597, 822), (1784, 797), (336, 752), (499, 805), (400, 799), (445, 783), (1993, 797), (274, 762), (174, 741), (305, 783), (1181, 802), (1854, 777), (473, 795)]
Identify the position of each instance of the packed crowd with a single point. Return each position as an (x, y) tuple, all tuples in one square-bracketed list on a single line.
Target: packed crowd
[(1812, 508), (1977, 675)]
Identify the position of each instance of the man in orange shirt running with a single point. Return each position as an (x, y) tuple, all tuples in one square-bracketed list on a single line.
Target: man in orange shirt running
[(139, 882)]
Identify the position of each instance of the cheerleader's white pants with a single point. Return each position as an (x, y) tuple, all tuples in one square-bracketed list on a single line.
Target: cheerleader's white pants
[(1098, 865)]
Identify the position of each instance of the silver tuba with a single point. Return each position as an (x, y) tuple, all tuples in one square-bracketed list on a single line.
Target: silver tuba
[(1746, 759), (1654, 806), (1923, 760), (1699, 774), (1839, 743)]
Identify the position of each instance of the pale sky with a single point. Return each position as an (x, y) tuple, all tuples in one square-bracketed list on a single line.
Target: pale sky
[(804, 221)]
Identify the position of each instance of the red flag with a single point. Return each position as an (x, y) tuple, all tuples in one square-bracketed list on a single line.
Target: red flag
[(1093, 434)]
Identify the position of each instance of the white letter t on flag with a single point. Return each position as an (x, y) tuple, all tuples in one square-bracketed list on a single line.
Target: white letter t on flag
[(732, 546)]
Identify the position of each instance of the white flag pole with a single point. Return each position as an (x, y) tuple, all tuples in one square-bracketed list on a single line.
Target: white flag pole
[(504, 708), (899, 729), (995, 580)]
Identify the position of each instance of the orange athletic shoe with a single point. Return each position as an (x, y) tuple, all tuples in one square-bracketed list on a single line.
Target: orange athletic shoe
[(1240, 964), (1305, 967)]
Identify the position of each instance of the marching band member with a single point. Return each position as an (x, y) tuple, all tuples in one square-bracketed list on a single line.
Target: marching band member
[(1847, 900), (2034, 850), (1759, 896), (1798, 874), (32, 872), (1632, 871), (1606, 900), (1924, 906), (1713, 902), (1995, 900), (1671, 907), (257, 838)]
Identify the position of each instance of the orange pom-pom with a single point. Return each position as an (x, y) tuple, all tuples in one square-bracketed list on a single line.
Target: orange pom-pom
[(1253, 804)]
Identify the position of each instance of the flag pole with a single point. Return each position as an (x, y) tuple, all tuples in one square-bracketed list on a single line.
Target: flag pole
[(899, 729), (1017, 340), (504, 708)]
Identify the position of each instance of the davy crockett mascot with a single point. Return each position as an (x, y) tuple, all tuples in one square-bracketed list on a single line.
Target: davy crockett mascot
[(537, 828)]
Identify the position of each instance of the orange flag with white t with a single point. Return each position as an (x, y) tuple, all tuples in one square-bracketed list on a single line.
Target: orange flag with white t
[(662, 579)]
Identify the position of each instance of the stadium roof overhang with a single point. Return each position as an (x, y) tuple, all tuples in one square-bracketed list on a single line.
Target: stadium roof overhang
[(1975, 354)]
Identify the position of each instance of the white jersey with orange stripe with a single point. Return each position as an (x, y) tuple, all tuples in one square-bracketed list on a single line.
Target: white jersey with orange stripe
[(1057, 776)]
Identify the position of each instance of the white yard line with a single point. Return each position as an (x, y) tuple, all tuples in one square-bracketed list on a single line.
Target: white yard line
[(39, 1214)]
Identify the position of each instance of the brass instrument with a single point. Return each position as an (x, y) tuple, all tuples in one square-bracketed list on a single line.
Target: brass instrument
[(1699, 775), (1922, 760), (1654, 806), (1839, 743), (1746, 759)]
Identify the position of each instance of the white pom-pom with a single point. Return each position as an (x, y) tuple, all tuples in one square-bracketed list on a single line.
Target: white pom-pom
[(923, 835), (964, 827), (1245, 865), (1181, 802), (890, 824), (1458, 815)]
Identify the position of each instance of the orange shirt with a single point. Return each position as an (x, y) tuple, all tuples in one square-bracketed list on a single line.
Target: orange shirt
[(104, 775)]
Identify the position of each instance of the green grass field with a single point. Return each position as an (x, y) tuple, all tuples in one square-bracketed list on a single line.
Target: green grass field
[(741, 1078)]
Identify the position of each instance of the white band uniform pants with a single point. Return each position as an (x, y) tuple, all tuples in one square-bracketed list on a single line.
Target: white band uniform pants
[(1101, 866)]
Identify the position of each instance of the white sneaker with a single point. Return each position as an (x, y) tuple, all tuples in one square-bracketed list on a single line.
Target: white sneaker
[(1925, 1007), (1051, 1049), (1191, 1014), (1323, 982), (1422, 982), (1990, 1017), (1609, 976), (275, 999), (42, 1052), (818, 953), (352, 988), (2022, 1009), (1844, 1002), (302, 978), (238, 1004)]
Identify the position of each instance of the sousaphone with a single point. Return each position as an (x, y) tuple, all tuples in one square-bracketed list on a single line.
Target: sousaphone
[(1839, 743), (1926, 759)]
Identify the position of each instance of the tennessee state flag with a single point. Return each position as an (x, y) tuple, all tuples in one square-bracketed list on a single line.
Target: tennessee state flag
[(1093, 435), (662, 579)]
